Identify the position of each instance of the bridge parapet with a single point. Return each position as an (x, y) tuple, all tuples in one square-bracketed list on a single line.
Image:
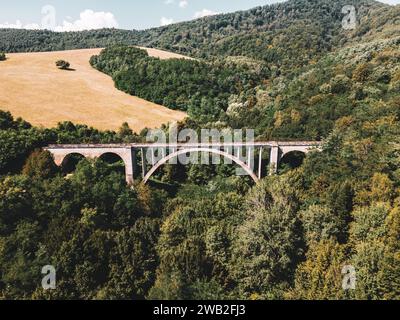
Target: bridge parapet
[(187, 145)]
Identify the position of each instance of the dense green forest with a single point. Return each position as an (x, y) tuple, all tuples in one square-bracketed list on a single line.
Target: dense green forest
[(200, 232), (19, 40), (198, 87)]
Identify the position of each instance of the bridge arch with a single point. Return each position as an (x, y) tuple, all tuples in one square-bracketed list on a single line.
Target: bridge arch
[(115, 160), (69, 162), (111, 157), (292, 159), (165, 160)]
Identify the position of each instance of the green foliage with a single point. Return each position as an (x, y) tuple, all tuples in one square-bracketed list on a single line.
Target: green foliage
[(176, 83), (102, 242), (14, 203), (268, 245), (12, 40), (40, 165), (320, 223), (2, 56), (125, 132), (389, 282), (199, 174), (134, 261), (368, 232), (320, 276), (168, 286), (369, 222)]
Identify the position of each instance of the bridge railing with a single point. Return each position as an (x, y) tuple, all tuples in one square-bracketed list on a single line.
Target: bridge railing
[(187, 145)]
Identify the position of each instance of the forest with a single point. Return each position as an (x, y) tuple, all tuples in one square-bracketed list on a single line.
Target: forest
[(187, 85), (200, 232)]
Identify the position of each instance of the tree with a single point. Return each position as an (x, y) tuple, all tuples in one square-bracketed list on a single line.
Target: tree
[(135, 260), (200, 174), (320, 223), (15, 202), (362, 72), (19, 260), (268, 243), (125, 131), (320, 276), (368, 232), (389, 275), (62, 64), (40, 165)]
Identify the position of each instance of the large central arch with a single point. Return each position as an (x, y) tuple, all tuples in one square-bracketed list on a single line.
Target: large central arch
[(164, 160)]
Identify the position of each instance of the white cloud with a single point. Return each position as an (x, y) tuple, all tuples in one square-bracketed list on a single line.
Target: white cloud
[(183, 3), (166, 21), (88, 20), (19, 25), (7, 25), (169, 1), (204, 13), (392, 2), (32, 26)]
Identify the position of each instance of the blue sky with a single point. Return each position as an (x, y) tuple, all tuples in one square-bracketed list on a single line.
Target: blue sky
[(126, 14)]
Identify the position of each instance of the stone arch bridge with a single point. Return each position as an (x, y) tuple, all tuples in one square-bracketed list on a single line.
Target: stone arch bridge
[(248, 156)]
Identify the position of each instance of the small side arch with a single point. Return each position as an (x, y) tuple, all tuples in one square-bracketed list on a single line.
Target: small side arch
[(69, 162), (292, 159), (165, 160), (111, 157), (115, 160)]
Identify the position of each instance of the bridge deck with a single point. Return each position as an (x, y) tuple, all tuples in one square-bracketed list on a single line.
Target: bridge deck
[(185, 145)]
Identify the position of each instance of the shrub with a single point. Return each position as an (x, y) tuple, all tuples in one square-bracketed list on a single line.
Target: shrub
[(362, 72), (340, 84), (63, 65)]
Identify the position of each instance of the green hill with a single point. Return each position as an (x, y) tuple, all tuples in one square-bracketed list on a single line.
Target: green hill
[(293, 25)]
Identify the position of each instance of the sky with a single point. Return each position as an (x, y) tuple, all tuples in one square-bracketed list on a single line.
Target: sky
[(76, 15)]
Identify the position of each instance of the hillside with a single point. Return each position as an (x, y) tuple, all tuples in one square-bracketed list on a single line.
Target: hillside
[(286, 35), (267, 46), (33, 88)]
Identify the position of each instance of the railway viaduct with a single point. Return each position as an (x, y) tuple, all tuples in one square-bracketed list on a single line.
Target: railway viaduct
[(150, 157)]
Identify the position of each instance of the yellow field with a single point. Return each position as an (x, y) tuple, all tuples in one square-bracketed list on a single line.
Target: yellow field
[(33, 88)]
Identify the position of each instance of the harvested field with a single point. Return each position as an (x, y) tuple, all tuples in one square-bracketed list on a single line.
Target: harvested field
[(33, 88)]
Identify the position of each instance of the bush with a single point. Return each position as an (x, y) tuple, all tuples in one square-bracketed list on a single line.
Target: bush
[(2, 56), (340, 84), (40, 165), (63, 65), (362, 72)]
